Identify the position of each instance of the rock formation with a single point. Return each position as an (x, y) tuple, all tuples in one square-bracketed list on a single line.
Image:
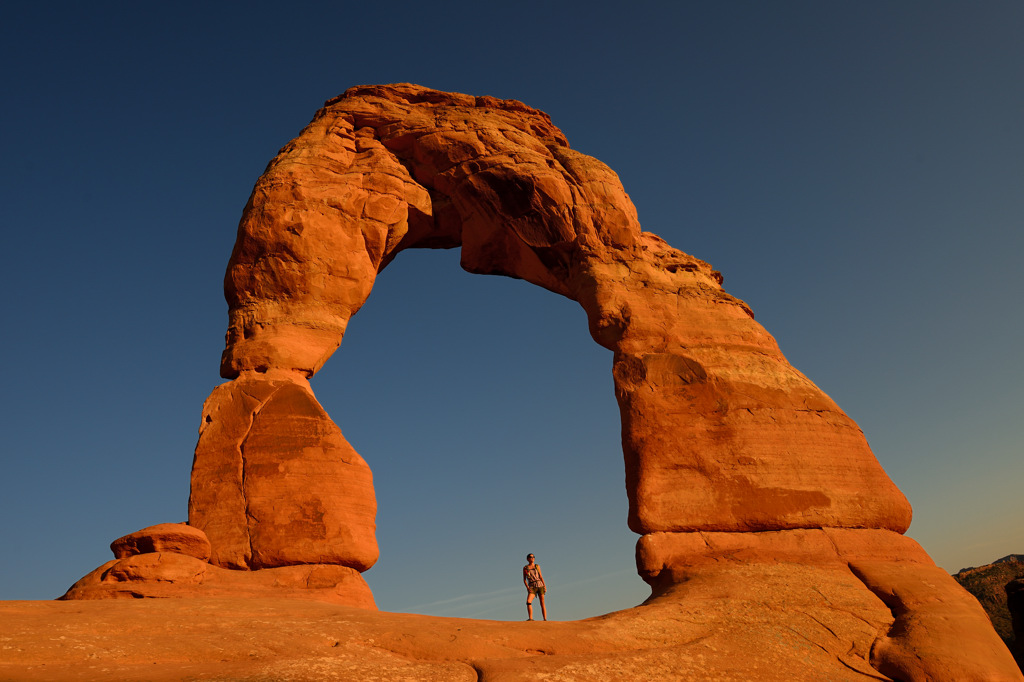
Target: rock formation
[(172, 560), (274, 483), (1015, 605), (990, 585), (738, 468)]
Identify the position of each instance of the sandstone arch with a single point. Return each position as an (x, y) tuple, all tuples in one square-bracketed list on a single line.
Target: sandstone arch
[(720, 433), (739, 470)]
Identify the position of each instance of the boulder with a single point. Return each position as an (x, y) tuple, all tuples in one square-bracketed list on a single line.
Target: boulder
[(274, 482), (164, 537)]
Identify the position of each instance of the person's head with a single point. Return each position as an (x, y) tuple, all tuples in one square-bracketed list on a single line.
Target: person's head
[(529, 557)]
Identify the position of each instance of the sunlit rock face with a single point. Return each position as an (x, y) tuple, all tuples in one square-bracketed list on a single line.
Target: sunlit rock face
[(767, 526), (720, 432), (274, 482), (172, 560)]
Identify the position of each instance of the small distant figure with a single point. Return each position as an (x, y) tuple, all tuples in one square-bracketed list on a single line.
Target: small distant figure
[(534, 581)]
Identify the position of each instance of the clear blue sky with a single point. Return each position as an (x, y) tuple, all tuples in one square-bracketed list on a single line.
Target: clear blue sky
[(855, 170)]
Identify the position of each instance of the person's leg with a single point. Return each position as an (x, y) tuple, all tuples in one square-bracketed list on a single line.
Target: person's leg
[(529, 606), (543, 607)]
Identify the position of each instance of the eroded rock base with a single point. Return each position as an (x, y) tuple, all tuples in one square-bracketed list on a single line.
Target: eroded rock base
[(935, 630), (732, 621), (170, 560)]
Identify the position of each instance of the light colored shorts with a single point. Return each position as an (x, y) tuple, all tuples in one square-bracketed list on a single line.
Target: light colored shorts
[(539, 589)]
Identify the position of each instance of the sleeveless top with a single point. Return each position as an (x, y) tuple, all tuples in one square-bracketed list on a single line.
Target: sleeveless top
[(533, 577)]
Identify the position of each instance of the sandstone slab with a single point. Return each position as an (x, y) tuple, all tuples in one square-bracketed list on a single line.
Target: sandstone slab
[(164, 537)]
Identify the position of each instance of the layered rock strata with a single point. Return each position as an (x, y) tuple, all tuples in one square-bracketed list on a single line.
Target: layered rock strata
[(736, 464), (172, 560), (748, 618), (937, 630), (274, 482)]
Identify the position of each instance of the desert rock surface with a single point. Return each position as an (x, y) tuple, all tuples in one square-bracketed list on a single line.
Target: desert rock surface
[(734, 622)]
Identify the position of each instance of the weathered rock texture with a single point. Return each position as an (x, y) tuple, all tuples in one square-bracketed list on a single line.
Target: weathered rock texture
[(274, 483), (179, 538), (990, 586), (1015, 605), (734, 621), (753, 492), (171, 560), (720, 432)]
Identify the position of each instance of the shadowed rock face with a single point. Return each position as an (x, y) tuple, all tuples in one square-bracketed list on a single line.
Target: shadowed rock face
[(1015, 605), (991, 586), (741, 474)]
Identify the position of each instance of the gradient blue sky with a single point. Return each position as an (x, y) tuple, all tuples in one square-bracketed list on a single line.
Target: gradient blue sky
[(855, 170)]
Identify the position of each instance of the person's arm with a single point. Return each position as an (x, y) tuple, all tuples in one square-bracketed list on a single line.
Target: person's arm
[(525, 581), (540, 574)]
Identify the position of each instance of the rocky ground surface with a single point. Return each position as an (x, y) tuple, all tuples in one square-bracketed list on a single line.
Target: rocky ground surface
[(738, 621), (787, 633)]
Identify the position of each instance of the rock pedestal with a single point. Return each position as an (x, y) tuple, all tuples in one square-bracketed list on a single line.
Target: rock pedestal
[(171, 560), (274, 483)]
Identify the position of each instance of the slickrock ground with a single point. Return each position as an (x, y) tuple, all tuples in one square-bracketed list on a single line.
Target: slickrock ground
[(737, 622), (787, 605)]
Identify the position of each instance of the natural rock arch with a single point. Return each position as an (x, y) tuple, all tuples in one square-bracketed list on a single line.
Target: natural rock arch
[(742, 476), (719, 432)]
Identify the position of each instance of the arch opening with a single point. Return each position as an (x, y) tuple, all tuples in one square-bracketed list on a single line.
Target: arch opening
[(488, 418)]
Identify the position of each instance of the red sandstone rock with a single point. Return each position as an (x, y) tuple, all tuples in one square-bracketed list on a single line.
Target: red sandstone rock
[(164, 537), (719, 431), (274, 483), (928, 639), (666, 559), (938, 630), (781, 622), (168, 574)]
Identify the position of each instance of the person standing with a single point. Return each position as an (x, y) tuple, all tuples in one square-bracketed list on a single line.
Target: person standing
[(535, 587)]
